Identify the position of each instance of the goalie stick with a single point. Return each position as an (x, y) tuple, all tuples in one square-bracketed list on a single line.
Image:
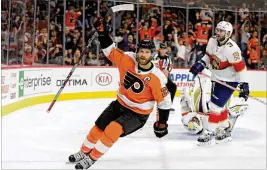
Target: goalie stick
[(235, 89), (116, 8)]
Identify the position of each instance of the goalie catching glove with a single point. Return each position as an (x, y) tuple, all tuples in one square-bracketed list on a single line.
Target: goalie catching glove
[(161, 126)]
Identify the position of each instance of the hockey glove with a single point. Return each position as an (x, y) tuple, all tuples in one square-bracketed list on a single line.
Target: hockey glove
[(160, 130), (244, 90), (103, 30), (197, 67), (102, 26)]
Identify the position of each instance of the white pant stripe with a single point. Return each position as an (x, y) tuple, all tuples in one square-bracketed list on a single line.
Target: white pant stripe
[(88, 144), (101, 147)]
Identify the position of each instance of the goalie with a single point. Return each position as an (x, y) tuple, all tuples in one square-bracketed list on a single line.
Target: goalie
[(194, 106)]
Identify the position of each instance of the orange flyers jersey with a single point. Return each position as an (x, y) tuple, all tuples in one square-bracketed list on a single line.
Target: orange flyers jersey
[(139, 90), (202, 33)]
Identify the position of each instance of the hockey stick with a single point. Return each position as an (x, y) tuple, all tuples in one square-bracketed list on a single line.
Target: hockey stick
[(123, 7), (72, 70), (230, 87)]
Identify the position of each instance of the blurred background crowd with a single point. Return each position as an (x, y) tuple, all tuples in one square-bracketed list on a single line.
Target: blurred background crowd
[(55, 32)]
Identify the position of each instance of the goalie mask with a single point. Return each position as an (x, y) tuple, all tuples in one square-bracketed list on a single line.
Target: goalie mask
[(223, 31), (195, 125)]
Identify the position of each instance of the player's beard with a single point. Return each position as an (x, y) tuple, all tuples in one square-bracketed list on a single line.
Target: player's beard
[(222, 39), (143, 61)]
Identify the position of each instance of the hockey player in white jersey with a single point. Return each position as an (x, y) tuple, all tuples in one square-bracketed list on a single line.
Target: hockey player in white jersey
[(194, 106), (223, 58)]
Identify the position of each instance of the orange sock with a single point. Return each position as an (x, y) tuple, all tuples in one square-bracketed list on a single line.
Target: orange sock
[(93, 136), (110, 136)]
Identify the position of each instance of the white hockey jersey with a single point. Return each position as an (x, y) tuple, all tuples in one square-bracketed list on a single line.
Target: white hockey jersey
[(225, 62)]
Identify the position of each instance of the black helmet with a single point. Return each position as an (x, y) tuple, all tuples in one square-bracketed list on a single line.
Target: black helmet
[(147, 44)]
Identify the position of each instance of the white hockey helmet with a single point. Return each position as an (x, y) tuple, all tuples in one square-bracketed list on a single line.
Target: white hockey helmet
[(195, 125), (224, 26)]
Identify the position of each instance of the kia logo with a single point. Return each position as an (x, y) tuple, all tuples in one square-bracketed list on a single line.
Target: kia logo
[(103, 79)]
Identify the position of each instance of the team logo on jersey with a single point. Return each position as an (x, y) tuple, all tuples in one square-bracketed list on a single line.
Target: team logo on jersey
[(133, 82), (215, 65), (236, 56), (215, 62)]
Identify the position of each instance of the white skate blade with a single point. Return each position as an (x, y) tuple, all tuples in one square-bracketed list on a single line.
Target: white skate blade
[(226, 140), (68, 162)]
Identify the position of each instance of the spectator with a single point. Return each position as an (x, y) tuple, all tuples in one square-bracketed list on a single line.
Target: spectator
[(125, 29), (128, 42), (253, 42), (167, 29), (145, 32), (27, 59), (157, 39), (253, 58), (263, 60), (264, 41), (243, 13), (68, 57), (76, 56), (71, 18), (202, 36), (104, 61), (244, 37), (55, 54), (206, 14), (92, 60)]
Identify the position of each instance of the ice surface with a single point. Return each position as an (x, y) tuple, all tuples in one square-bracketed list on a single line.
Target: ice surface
[(34, 139)]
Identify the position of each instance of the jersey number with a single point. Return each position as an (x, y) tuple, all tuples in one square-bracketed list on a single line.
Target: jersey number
[(133, 82), (164, 92)]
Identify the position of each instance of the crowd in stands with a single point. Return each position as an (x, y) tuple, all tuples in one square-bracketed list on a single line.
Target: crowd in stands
[(40, 43)]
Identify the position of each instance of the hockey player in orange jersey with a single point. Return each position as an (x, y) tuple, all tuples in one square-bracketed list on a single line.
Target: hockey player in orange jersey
[(141, 86)]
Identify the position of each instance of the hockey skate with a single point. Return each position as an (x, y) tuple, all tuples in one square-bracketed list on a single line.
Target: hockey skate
[(77, 157), (85, 163), (223, 135), (205, 138)]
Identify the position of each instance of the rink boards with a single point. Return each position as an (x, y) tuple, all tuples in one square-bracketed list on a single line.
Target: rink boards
[(23, 87)]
